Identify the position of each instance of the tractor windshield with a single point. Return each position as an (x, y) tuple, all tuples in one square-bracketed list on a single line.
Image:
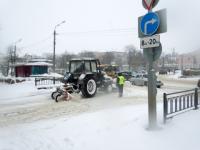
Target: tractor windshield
[(76, 67)]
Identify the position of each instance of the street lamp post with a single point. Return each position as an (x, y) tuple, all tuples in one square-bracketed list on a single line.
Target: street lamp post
[(54, 48)]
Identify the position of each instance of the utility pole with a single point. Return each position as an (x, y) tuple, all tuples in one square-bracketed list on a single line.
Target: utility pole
[(54, 48)]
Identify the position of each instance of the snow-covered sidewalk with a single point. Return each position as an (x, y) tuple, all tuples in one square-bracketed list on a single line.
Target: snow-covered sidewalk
[(112, 129)]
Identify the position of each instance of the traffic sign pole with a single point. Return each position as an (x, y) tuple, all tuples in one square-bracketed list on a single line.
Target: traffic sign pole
[(148, 25), (152, 92)]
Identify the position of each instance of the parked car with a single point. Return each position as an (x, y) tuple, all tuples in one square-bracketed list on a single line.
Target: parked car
[(127, 75), (163, 71), (142, 80)]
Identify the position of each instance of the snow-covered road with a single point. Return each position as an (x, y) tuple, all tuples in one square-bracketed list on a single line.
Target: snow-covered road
[(22, 102), (41, 106)]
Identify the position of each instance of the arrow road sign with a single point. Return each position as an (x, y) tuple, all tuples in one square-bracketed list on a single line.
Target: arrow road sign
[(162, 14), (149, 23)]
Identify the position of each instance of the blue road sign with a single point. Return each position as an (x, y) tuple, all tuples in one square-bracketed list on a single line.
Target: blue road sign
[(149, 24)]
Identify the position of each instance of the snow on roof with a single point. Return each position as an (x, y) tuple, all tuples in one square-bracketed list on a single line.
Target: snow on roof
[(39, 64), (35, 64)]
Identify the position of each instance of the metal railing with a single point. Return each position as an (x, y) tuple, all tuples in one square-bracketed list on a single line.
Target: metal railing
[(40, 81), (179, 102)]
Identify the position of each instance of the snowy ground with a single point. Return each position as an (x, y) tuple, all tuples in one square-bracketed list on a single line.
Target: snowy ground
[(29, 119)]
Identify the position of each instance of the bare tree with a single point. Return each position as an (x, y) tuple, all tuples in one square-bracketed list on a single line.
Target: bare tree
[(3, 65), (86, 53), (48, 56), (194, 61), (61, 61), (135, 57), (108, 58), (131, 52), (9, 60)]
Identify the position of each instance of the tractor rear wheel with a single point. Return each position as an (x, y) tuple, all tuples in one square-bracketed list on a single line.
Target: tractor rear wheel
[(89, 88)]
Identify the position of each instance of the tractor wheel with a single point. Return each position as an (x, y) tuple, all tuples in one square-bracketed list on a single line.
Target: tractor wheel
[(158, 86), (53, 95), (89, 88), (58, 97)]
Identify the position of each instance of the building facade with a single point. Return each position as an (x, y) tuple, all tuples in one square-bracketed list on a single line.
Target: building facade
[(29, 69)]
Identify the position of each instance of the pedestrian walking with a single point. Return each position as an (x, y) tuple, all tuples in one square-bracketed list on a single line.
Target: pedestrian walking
[(120, 83)]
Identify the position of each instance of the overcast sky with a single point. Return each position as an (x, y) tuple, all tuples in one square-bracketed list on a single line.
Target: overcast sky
[(97, 25)]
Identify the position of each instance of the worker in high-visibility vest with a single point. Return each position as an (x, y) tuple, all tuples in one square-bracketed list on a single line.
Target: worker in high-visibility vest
[(120, 83)]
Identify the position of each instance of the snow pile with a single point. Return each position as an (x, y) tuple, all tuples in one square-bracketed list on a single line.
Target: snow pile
[(172, 75), (178, 77), (56, 75), (177, 74), (15, 92)]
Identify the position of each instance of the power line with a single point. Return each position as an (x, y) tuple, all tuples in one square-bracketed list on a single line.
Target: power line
[(119, 30), (104, 31), (38, 42), (101, 31)]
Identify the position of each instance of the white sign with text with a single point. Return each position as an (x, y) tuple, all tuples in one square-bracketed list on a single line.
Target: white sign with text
[(150, 41)]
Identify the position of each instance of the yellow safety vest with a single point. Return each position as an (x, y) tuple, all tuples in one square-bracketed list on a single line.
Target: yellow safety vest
[(121, 80)]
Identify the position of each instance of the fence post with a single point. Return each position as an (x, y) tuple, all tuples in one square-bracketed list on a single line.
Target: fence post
[(196, 98), (54, 80), (165, 108), (35, 82)]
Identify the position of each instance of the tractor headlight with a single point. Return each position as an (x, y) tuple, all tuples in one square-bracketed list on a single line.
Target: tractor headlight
[(82, 76), (66, 77)]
